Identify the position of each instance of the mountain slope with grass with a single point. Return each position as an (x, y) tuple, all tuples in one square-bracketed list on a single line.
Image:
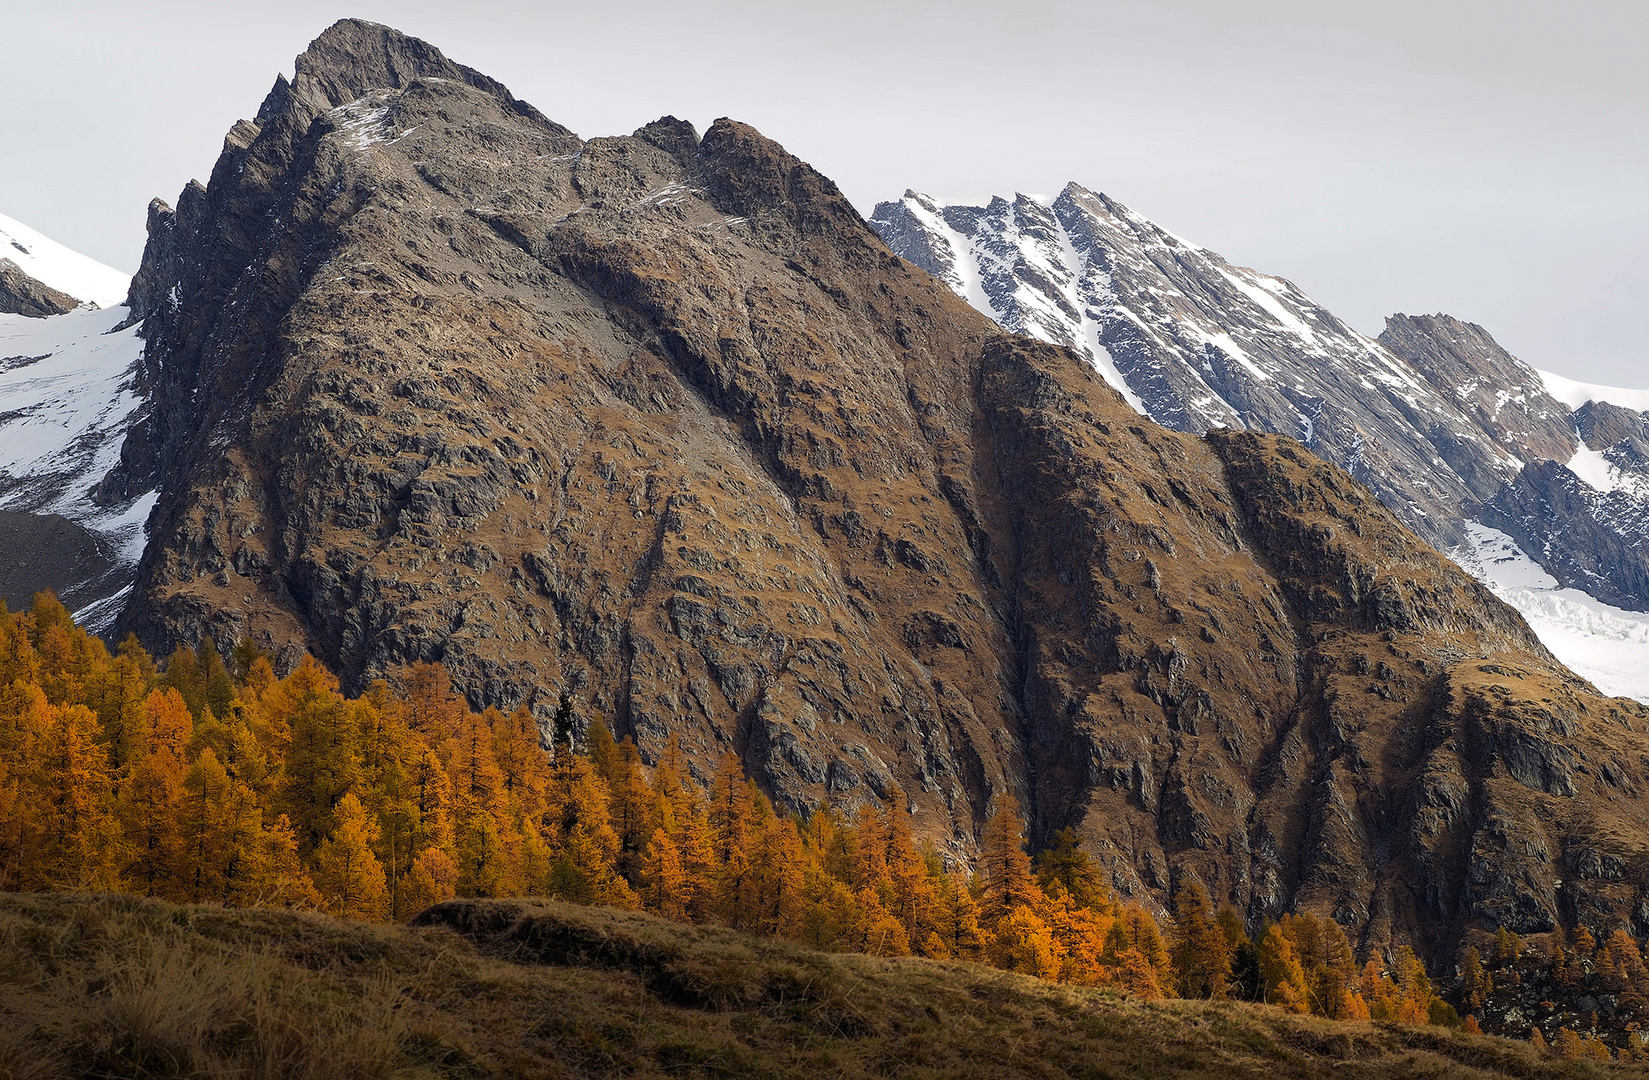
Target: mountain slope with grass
[(128, 987)]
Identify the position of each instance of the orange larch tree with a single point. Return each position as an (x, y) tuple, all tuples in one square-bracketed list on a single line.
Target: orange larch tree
[(348, 874)]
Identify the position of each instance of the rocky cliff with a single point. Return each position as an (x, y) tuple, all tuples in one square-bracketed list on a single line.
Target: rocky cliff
[(1579, 505), (659, 420)]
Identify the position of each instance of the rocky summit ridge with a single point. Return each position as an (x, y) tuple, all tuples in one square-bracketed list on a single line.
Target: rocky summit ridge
[(1447, 427), (659, 420)]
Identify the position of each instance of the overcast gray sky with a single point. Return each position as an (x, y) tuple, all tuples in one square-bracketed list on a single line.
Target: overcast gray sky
[(1486, 158)]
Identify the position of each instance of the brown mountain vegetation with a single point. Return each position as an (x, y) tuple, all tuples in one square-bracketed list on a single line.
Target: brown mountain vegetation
[(126, 987), (204, 785)]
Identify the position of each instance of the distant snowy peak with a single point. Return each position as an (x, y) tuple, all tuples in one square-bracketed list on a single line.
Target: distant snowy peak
[(1450, 430), (53, 265), (1196, 342)]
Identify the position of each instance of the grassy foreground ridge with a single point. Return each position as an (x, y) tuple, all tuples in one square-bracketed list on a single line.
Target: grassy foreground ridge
[(118, 986)]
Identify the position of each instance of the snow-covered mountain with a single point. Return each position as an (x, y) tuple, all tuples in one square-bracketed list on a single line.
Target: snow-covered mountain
[(1452, 432), (1198, 343), (68, 395)]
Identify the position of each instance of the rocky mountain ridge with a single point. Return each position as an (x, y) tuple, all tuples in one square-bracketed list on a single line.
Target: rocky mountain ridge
[(1441, 422), (1580, 503), (659, 420)]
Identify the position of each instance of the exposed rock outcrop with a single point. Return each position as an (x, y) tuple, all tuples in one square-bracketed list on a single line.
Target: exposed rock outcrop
[(1587, 531), (1504, 396), (48, 551), (1588, 539), (659, 420), (21, 294)]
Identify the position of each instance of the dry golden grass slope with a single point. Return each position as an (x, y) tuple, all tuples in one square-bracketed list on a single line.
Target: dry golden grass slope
[(125, 987)]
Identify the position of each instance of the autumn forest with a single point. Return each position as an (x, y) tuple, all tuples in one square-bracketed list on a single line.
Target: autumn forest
[(208, 779)]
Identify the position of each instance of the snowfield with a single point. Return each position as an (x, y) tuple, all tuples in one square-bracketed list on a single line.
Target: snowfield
[(68, 395), (1577, 394), (1605, 644)]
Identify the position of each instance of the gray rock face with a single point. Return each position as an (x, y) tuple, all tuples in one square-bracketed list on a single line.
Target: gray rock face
[(1587, 539), (1504, 396), (1197, 343), (1621, 434), (1590, 532), (21, 294), (1434, 416), (48, 551)]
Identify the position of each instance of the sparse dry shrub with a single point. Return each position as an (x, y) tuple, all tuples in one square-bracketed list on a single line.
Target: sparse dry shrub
[(113, 987)]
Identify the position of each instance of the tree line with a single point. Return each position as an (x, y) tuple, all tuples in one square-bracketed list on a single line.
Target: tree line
[(210, 780)]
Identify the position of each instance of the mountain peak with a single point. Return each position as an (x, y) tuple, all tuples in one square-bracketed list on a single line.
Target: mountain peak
[(353, 56), (659, 422)]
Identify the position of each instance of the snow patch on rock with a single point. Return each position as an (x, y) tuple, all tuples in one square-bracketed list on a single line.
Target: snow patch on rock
[(68, 396), (1600, 474)]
